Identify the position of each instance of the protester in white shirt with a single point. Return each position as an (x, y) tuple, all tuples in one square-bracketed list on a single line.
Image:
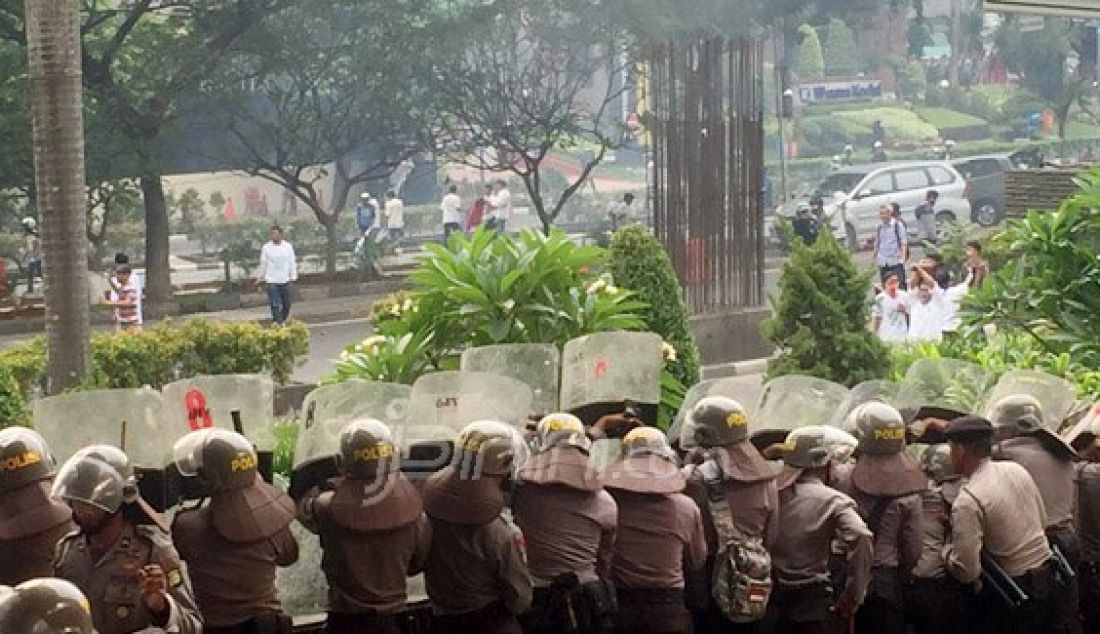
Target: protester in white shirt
[(278, 268), (451, 206), (395, 217), (891, 312), (500, 204), (931, 308)]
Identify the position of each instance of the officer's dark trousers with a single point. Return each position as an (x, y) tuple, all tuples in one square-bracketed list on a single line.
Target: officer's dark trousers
[(935, 606), (270, 623), (361, 623), (1068, 617), (494, 619), (882, 611), (1088, 580), (652, 611), (553, 612), (991, 616), (801, 610)]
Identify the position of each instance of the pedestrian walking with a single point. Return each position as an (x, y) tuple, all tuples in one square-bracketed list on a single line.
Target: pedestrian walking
[(451, 206), (32, 251), (395, 218), (926, 217), (125, 297), (278, 269), (891, 246), (500, 206), (479, 209)]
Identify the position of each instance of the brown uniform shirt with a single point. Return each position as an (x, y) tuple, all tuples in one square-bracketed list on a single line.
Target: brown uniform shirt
[(471, 567), (754, 507), (1054, 476), (30, 557), (566, 530), (659, 537), (812, 516), (898, 538), (367, 571), (936, 513), (1088, 511), (233, 582), (113, 587), (998, 510)]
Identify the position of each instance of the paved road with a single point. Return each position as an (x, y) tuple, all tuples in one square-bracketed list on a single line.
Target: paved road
[(326, 341)]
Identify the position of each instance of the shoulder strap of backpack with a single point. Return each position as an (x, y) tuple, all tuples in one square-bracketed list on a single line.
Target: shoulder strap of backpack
[(897, 234), (718, 505)]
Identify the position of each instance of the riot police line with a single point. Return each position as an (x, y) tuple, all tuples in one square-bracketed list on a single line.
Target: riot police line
[(440, 507)]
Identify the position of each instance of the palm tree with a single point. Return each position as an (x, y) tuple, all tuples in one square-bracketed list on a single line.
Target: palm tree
[(53, 51)]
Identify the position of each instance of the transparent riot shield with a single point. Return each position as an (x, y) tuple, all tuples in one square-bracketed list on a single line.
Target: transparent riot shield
[(604, 372), (128, 419), (537, 365), (866, 392), (251, 395), (704, 389), (790, 402), (326, 411), (441, 404), (1056, 394), (944, 383)]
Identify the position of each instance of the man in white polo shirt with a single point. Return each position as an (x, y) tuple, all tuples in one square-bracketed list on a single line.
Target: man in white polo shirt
[(500, 203), (278, 268)]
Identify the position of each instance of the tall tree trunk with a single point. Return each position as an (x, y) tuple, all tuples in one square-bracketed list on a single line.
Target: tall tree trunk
[(330, 245), (53, 52), (158, 289)]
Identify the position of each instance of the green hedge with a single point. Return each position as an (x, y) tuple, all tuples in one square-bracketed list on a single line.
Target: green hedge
[(954, 125), (155, 357), (638, 261)]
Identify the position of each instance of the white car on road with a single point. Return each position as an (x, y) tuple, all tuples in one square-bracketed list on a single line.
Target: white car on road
[(853, 196)]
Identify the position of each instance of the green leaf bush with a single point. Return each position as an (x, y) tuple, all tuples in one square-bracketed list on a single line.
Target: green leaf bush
[(1050, 291), (821, 317), (155, 357), (639, 262)]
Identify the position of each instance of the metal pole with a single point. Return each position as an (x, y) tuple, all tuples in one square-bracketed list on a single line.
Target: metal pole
[(780, 65)]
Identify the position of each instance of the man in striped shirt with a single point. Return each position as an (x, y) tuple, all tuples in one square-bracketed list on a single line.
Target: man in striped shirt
[(126, 298)]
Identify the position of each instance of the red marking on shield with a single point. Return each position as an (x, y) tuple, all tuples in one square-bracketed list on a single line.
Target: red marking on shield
[(601, 367), (198, 414)]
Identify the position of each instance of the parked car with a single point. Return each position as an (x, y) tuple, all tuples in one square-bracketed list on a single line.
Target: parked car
[(986, 177), (853, 196)]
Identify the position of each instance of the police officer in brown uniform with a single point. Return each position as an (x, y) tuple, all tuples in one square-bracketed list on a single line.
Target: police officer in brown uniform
[(31, 523), (933, 599), (720, 427), (998, 512), (235, 540), (373, 531), (660, 537), (568, 523), (887, 484), (120, 557), (1088, 529), (813, 517), (44, 606), (1024, 439), (476, 578)]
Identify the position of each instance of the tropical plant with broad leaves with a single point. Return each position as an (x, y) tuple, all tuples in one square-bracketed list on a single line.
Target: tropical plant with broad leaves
[(1052, 291), (485, 290), (394, 359)]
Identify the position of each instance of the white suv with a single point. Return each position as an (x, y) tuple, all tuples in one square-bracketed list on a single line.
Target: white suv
[(853, 196)]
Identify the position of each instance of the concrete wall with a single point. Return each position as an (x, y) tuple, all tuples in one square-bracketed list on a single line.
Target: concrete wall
[(732, 336)]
